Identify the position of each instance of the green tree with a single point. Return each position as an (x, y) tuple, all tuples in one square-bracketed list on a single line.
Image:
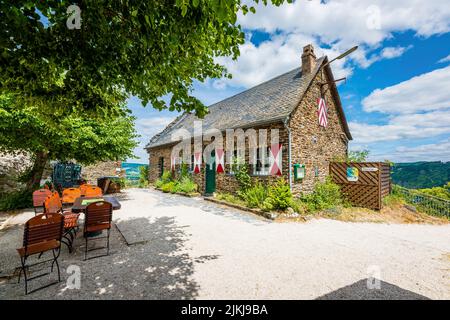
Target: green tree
[(71, 137), (151, 49), (358, 156)]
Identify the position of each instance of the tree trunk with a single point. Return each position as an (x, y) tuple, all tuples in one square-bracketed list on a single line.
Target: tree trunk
[(35, 176)]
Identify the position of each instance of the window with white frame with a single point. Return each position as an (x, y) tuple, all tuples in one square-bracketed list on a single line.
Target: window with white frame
[(236, 162), (192, 164), (262, 163)]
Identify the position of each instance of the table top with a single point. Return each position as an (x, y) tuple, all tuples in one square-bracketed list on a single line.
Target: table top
[(81, 203)]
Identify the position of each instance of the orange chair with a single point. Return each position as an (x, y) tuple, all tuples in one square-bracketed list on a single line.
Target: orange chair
[(53, 206), (41, 234), (93, 192), (83, 188), (69, 195), (39, 197)]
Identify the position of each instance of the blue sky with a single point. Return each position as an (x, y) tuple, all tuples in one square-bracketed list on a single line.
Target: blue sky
[(397, 95)]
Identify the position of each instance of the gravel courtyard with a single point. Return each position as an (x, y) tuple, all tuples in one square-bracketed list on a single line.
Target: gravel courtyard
[(172, 247)]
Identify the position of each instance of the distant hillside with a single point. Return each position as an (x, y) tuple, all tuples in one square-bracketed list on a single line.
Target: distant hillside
[(132, 170), (417, 175)]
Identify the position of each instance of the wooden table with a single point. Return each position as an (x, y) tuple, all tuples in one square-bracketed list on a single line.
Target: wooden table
[(79, 207)]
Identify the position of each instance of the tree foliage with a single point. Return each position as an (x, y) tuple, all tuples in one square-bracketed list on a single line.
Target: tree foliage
[(151, 49), (72, 137)]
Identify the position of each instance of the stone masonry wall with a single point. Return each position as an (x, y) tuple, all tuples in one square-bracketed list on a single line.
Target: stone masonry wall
[(225, 182), (107, 168), (312, 144)]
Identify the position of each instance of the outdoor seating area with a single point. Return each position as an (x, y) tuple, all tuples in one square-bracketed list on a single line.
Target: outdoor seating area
[(57, 221)]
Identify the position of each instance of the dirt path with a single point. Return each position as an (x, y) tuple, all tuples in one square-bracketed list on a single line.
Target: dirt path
[(174, 247)]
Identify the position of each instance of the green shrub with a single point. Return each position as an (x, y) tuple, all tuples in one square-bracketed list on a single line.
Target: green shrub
[(393, 200), (143, 176), (241, 174), (254, 196), (168, 186), (325, 196), (229, 198), (187, 185), (16, 200), (184, 171), (279, 196), (165, 178)]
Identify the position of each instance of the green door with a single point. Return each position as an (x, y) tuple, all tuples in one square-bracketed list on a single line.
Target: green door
[(210, 176)]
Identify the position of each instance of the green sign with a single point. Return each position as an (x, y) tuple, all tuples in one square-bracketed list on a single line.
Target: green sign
[(89, 201)]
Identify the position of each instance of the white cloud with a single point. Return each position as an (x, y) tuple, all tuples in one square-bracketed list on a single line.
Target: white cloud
[(147, 128), (429, 91), (428, 152), (332, 27), (269, 59), (444, 60), (352, 21), (394, 52)]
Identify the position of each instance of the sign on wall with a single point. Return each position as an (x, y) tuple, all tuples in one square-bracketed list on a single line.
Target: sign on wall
[(352, 174)]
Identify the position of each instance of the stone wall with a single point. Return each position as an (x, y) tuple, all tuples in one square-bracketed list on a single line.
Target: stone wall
[(225, 182), (313, 145), (11, 167), (101, 169)]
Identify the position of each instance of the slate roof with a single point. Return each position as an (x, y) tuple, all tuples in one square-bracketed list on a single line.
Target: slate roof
[(267, 102)]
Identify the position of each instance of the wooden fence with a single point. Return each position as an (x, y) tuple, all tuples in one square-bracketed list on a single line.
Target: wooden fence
[(364, 184)]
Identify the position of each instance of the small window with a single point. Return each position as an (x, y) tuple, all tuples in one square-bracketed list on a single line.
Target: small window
[(192, 164), (262, 163), (236, 162), (161, 166)]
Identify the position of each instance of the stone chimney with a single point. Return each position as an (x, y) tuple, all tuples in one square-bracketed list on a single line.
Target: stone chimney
[(308, 59)]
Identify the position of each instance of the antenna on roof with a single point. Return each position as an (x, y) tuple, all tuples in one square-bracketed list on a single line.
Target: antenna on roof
[(343, 55)]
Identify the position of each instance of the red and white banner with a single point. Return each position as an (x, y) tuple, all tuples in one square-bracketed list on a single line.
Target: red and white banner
[(322, 112), (220, 164), (275, 160), (197, 162)]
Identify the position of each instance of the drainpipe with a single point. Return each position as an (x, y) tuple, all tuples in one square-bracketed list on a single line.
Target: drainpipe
[(285, 122)]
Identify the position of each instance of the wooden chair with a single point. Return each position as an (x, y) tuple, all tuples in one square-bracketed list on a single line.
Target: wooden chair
[(83, 188), (42, 233), (97, 217), (52, 206), (69, 195), (93, 192), (39, 197)]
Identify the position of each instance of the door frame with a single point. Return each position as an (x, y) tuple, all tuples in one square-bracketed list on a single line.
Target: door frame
[(212, 178)]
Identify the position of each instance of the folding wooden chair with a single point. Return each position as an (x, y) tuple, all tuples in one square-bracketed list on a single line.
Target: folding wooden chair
[(97, 217), (39, 197), (69, 195), (53, 205), (42, 233), (93, 192)]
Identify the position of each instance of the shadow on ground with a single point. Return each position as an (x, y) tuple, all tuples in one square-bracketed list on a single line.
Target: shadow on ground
[(165, 200), (160, 268), (360, 291)]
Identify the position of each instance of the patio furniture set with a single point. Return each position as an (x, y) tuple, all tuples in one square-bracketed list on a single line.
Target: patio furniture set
[(56, 221)]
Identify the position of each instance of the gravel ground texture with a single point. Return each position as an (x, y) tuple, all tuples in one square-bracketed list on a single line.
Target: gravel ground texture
[(172, 247)]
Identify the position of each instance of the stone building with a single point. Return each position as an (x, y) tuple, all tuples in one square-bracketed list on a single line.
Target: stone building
[(288, 103)]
